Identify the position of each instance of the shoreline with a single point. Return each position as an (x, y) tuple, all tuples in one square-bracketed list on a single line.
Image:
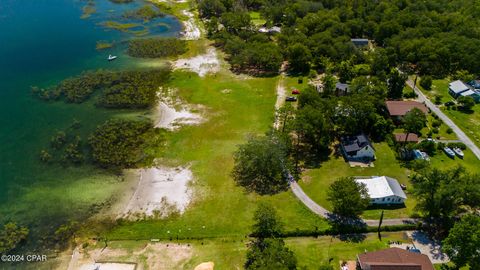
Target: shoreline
[(161, 190)]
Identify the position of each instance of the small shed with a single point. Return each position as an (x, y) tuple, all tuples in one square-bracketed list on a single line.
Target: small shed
[(403, 138), (359, 42), (341, 89)]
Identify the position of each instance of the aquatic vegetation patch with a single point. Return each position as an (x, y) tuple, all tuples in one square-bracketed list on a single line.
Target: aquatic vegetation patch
[(66, 147), (102, 45), (117, 89), (124, 27), (145, 13), (121, 1), (156, 47), (88, 10), (118, 143)]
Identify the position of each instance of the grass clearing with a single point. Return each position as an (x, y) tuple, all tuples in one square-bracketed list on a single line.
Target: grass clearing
[(316, 181), (219, 208), (229, 253), (257, 19)]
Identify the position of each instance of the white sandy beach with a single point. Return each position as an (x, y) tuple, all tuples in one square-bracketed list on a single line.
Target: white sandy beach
[(161, 190), (201, 64)]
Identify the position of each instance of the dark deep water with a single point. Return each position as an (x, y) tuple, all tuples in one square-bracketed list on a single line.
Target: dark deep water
[(41, 43)]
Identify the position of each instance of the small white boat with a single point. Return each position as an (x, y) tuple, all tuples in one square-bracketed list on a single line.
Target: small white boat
[(111, 57), (459, 152), (449, 152)]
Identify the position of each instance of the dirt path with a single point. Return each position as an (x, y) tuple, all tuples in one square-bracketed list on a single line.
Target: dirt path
[(460, 134), (281, 95)]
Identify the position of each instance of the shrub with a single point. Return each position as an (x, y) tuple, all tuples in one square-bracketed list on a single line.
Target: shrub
[(436, 123), (449, 130), (426, 82)]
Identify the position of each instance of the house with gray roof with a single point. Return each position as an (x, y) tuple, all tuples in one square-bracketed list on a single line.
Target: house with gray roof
[(460, 89), (357, 148), (456, 88)]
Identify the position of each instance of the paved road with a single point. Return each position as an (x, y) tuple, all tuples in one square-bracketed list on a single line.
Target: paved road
[(460, 134), (319, 210)]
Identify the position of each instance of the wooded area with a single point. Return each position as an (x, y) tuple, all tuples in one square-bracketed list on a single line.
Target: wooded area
[(432, 37)]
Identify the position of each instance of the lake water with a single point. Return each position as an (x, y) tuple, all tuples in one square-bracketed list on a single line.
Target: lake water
[(41, 43)]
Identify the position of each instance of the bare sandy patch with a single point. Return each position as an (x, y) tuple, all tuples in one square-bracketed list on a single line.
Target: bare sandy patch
[(201, 64), (281, 95), (171, 113), (191, 29), (161, 256), (161, 191), (108, 266), (205, 266)]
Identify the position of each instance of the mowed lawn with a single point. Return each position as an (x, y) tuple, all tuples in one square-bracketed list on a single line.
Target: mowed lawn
[(468, 122), (237, 108), (316, 182)]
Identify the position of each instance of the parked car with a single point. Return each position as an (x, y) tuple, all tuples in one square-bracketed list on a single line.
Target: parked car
[(295, 92), (291, 99)]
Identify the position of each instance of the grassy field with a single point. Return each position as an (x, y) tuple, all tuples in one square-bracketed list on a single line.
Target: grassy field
[(316, 182), (468, 122), (219, 208), (257, 19), (229, 253)]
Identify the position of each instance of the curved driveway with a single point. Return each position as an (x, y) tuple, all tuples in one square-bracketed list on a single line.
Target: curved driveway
[(319, 210)]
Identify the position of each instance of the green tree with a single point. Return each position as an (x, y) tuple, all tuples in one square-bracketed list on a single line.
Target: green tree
[(463, 75), (267, 224), (209, 8), (426, 82), (463, 242), (10, 236), (299, 57), (414, 121), (260, 166), (328, 84), (345, 71), (348, 197), (269, 254), (313, 129), (396, 83), (442, 195), (466, 103)]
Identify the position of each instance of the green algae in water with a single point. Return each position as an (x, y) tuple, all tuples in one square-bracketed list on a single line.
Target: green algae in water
[(88, 11), (102, 45)]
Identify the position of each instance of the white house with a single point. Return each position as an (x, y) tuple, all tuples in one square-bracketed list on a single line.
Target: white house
[(383, 190), (357, 148)]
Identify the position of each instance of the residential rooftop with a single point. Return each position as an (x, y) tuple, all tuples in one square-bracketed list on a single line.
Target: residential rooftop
[(458, 87), (394, 259), (400, 108), (382, 186)]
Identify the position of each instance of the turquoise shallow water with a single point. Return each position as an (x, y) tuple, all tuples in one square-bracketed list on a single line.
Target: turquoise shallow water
[(41, 43)]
